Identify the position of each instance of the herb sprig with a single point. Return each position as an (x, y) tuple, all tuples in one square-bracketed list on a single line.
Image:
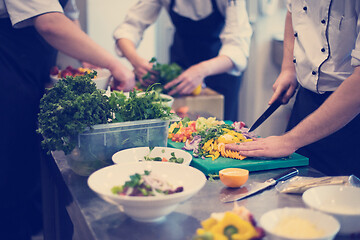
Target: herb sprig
[(164, 73)]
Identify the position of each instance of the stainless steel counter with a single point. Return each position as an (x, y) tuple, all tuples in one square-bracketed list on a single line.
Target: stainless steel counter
[(93, 218)]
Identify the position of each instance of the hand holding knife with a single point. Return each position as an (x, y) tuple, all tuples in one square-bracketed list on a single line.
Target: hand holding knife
[(275, 105)]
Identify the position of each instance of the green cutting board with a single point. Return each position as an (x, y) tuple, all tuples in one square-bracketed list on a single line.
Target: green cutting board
[(208, 166)]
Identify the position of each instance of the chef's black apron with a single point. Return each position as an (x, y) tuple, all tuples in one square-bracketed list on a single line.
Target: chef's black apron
[(337, 154), (196, 41), (25, 62)]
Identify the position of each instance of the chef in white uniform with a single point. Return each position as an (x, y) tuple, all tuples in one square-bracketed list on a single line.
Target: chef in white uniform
[(211, 42), (322, 57)]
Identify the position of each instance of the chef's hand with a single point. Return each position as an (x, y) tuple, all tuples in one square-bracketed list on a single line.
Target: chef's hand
[(274, 146), (89, 65), (284, 87), (124, 79), (187, 81), (142, 67)]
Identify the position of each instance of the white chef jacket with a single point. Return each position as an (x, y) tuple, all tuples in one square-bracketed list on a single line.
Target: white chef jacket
[(327, 41), (235, 36), (21, 13)]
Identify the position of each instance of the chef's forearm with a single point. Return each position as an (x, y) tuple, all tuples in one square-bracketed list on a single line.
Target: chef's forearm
[(216, 65), (288, 45), (128, 49), (64, 35), (338, 110)]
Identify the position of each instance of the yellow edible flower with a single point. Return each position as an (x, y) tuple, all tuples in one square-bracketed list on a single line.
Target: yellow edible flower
[(234, 227), (208, 223)]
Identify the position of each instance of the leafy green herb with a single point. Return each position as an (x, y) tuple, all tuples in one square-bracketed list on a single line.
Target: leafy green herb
[(175, 159), (137, 107), (71, 106), (74, 104), (164, 73), (212, 177)]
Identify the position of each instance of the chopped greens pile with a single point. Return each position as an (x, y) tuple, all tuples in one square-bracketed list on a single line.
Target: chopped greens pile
[(173, 158), (145, 185), (74, 104), (137, 107), (164, 73), (210, 133)]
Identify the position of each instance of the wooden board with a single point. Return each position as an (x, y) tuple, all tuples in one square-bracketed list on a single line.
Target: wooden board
[(208, 166)]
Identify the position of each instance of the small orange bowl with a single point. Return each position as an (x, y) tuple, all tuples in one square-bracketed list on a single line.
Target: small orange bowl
[(234, 177)]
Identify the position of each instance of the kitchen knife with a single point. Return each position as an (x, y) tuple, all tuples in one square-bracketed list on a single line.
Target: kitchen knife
[(266, 114), (261, 186)]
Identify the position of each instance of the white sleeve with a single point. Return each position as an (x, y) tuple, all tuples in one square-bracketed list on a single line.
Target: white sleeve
[(138, 19), (288, 5), (71, 10), (21, 13), (355, 54), (236, 36)]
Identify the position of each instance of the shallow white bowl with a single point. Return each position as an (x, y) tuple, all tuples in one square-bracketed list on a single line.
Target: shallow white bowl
[(322, 221), (151, 208), (137, 154), (343, 202), (102, 79)]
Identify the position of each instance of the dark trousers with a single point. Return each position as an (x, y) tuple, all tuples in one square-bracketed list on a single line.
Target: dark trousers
[(25, 60), (229, 86), (337, 154)]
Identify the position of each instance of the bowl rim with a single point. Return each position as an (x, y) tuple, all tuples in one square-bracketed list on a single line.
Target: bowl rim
[(103, 71), (158, 198), (114, 156), (311, 190), (142, 92), (332, 233)]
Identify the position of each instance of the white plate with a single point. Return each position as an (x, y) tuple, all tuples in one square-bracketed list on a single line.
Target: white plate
[(137, 154)]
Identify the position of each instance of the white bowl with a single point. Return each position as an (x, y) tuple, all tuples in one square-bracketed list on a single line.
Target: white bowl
[(326, 223), (138, 154), (150, 208), (343, 202), (102, 79), (168, 103)]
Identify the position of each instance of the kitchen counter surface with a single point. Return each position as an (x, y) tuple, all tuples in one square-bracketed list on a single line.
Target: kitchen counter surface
[(93, 218)]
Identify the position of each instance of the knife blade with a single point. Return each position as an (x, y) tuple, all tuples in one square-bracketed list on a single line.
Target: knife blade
[(275, 105), (262, 186)]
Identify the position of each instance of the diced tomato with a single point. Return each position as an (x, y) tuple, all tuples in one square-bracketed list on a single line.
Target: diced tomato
[(65, 73), (54, 70)]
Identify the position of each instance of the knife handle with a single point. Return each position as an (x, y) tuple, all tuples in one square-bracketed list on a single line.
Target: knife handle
[(292, 172)]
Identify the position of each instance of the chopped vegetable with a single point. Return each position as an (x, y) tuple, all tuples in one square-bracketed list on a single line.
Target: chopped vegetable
[(236, 224), (173, 158), (210, 136), (145, 185)]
